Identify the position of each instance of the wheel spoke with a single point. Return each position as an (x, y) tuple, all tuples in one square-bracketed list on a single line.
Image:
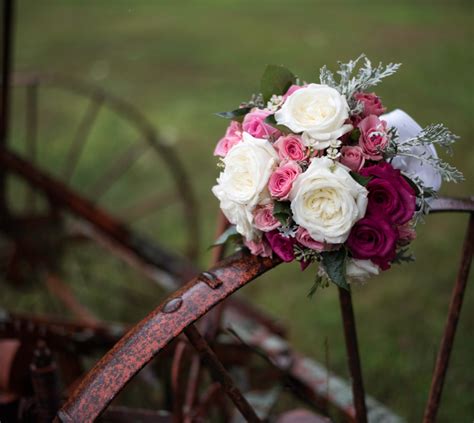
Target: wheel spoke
[(80, 138), (149, 205), (31, 138), (117, 169)]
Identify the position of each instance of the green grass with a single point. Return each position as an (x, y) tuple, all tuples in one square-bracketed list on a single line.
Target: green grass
[(179, 62)]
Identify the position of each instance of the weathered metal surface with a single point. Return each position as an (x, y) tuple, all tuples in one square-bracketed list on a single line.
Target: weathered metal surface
[(353, 356), (454, 312), (6, 67), (449, 204), (45, 381), (220, 374), (148, 133), (60, 334), (63, 197), (153, 333)]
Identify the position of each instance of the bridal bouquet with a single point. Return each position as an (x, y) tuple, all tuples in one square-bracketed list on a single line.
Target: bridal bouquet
[(316, 172)]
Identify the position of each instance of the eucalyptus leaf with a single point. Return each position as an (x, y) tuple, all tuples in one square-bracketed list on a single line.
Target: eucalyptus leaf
[(237, 114), (230, 234), (334, 263), (276, 80)]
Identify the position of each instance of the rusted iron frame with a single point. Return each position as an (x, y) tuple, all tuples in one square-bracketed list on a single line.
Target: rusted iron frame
[(117, 168), (159, 328), (353, 356), (63, 197), (447, 341), (63, 292), (151, 136), (31, 137), (6, 68), (176, 377), (45, 381), (220, 374), (80, 138), (58, 333), (192, 387)]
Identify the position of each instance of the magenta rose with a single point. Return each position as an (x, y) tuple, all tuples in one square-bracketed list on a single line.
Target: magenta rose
[(259, 248), (233, 135), (373, 238), (372, 104), (263, 218), (389, 193), (281, 245), (373, 137), (290, 147), (304, 238), (254, 124), (352, 157), (281, 180)]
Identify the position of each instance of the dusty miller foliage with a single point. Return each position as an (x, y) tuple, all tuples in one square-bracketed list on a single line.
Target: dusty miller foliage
[(352, 80), (438, 135)]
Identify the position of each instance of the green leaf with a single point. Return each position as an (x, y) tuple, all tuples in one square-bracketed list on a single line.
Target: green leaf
[(282, 211), (362, 180), (237, 114), (270, 120), (230, 234), (276, 80), (355, 135), (334, 263)]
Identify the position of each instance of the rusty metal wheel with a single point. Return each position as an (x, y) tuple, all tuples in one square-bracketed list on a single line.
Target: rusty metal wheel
[(178, 314), (111, 158)]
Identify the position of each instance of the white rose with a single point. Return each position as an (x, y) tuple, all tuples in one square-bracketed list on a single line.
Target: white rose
[(319, 112), (327, 201), (408, 128), (243, 182), (360, 270)]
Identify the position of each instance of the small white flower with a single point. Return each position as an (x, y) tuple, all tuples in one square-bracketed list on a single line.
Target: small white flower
[(327, 201), (333, 153)]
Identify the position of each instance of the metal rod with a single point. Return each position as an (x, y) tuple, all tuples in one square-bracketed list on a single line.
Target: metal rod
[(220, 374), (447, 341), (7, 46), (353, 356), (31, 137), (80, 138)]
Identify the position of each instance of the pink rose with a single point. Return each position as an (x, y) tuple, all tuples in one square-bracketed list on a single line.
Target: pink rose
[(291, 90), (263, 218), (281, 245), (254, 124), (290, 147), (281, 180), (373, 238), (304, 238), (406, 234), (389, 193), (233, 135), (373, 137), (372, 104), (259, 248), (352, 157)]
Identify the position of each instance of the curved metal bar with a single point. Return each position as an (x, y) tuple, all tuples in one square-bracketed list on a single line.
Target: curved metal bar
[(449, 204), (447, 341), (153, 333), (132, 114)]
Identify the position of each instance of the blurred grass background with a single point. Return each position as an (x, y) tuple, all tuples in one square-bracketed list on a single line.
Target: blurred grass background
[(179, 62)]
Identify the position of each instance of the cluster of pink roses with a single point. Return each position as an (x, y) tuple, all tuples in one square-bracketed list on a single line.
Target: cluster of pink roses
[(388, 203)]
